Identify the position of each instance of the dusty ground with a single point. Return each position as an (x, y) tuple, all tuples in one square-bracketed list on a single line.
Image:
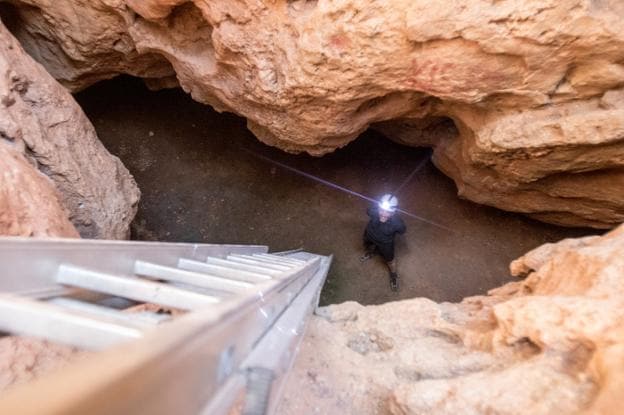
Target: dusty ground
[(198, 185)]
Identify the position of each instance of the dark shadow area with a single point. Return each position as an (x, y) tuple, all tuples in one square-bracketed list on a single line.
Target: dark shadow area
[(202, 181), (9, 16)]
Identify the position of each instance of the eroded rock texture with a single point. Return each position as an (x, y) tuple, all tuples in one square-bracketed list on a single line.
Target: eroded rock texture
[(552, 343), (29, 203), (23, 359), (534, 88), (43, 128)]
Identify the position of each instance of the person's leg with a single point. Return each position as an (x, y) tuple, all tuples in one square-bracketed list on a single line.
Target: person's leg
[(394, 277), (369, 248), (388, 254)]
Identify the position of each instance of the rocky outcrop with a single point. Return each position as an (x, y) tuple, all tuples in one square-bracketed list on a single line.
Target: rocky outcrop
[(29, 204), (23, 359), (533, 88), (40, 122), (551, 343), (562, 164)]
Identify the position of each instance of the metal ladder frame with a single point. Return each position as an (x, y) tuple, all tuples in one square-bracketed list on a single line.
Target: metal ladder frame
[(198, 363)]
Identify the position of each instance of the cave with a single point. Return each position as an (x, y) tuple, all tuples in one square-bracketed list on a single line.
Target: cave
[(204, 177), (177, 177)]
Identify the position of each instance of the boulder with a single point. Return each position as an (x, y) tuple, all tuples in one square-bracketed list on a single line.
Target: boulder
[(29, 202), (40, 120)]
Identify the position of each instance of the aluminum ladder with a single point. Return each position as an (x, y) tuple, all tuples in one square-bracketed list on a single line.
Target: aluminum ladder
[(239, 315)]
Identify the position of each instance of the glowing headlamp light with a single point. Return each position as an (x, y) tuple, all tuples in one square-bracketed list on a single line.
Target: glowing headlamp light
[(385, 205)]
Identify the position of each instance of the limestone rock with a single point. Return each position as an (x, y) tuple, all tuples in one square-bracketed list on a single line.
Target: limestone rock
[(23, 359), (563, 164), (80, 43), (534, 89), (29, 204), (552, 343), (41, 120)]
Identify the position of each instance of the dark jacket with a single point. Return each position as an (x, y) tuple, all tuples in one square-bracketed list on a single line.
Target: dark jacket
[(383, 232)]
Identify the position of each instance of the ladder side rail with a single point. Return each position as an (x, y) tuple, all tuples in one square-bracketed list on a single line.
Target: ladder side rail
[(276, 350)]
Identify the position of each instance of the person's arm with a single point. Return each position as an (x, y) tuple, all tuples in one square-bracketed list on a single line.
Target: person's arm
[(372, 212), (400, 226)]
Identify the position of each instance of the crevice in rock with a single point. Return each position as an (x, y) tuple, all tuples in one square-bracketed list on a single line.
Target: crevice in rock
[(563, 86), (428, 131), (301, 8), (10, 17), (182, 38), (525, 347)]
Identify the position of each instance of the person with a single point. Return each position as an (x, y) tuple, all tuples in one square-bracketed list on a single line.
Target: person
[(383, 226)]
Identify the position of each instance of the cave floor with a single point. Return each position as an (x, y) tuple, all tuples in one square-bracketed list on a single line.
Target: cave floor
[(199, 185)]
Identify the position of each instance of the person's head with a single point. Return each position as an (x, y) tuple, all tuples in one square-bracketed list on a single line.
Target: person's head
[(387, 206)]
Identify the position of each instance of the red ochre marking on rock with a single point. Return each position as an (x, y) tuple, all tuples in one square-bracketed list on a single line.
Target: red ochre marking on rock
[(340, 41)]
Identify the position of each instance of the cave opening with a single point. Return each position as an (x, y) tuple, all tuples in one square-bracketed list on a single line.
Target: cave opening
[(204, 177)]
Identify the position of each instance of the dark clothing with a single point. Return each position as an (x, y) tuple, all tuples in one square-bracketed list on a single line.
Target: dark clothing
[(381, 234), (385, 250)]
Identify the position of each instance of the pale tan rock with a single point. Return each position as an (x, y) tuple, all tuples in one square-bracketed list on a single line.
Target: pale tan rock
[(529, 85), (29, 204), (553, 343), (536, 258), (81, 42), (40, 119), (23, 359), (562, 164)]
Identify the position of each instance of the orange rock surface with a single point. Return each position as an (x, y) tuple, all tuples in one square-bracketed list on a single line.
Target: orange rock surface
[(532, 90), (41, 123)]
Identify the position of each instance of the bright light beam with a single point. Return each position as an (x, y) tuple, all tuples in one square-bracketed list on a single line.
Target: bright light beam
[(411, 175), (344, 189)]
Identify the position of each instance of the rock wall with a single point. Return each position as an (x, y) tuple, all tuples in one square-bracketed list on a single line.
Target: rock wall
[(29, 203), (534, 88), (23, 359), (46, 130), (552, 343)]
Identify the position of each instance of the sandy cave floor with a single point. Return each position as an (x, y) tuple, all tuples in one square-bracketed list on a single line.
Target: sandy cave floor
[(198, 185)]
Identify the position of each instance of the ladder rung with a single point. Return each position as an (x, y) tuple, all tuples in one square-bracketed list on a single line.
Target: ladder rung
[(133, 288), (260, 269), (130, 319), (150, 270), (191, 265), (150, 317), (281, 259), (248, 259), (38, 319), (270, 261)]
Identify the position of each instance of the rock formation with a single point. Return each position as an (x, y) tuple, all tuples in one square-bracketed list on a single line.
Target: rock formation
[(29, 204), (42, 128), (552, 343), (532, 91), (23, 359)]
